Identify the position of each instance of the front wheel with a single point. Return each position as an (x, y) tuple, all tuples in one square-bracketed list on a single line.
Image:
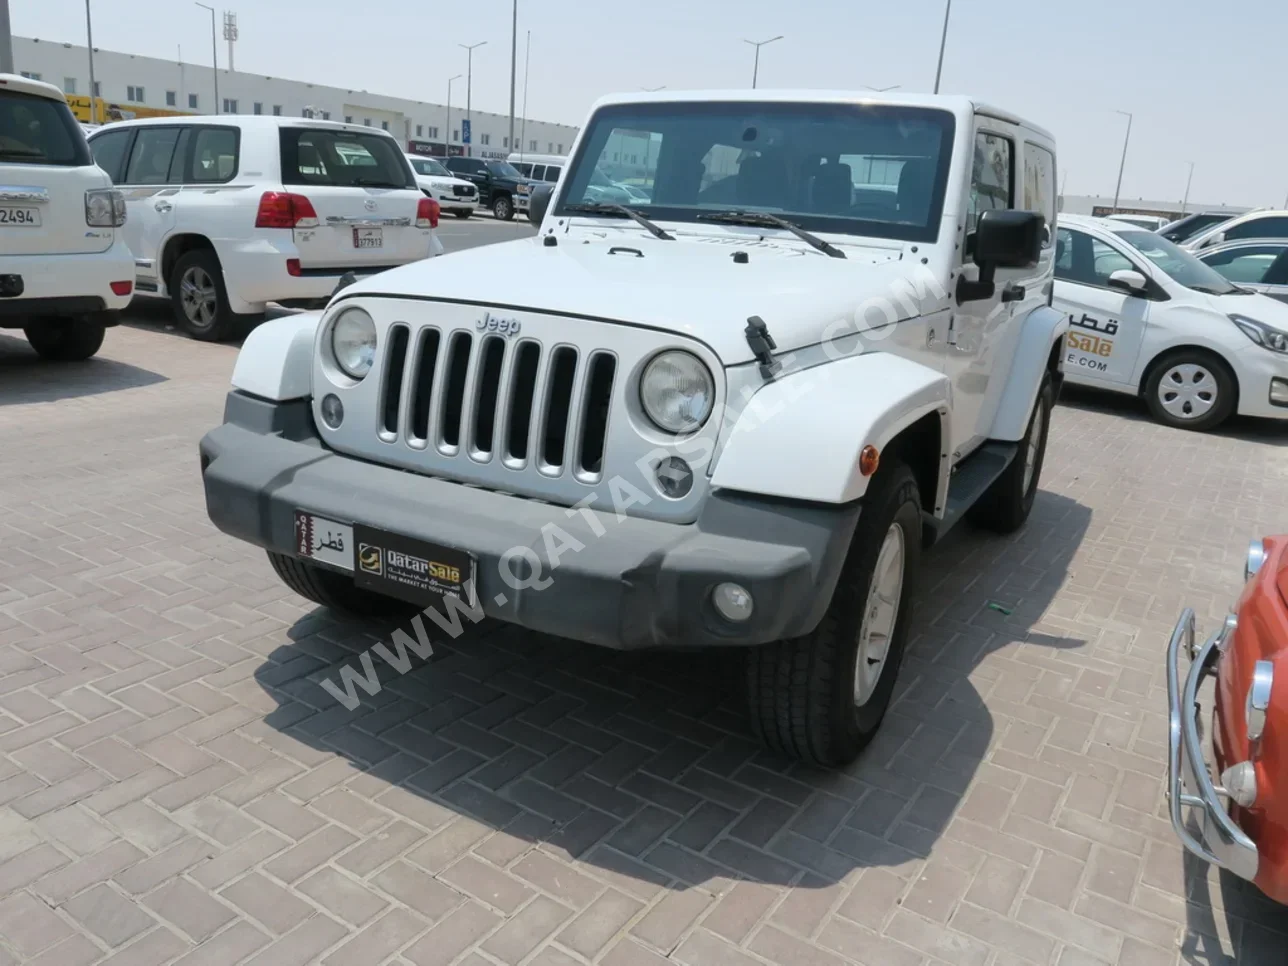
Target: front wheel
[(198, 296), (821, 698), (503, 208), (65, 340), (1191, 390)]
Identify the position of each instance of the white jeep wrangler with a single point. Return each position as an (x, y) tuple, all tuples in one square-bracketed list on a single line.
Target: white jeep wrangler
[(730, 416)]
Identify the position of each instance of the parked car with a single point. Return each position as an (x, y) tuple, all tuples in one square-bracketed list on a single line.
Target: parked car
[(453, 194), (1255, 224), (674, 429), (229, 213), (539, 167), (1186, 227), (1148, 222), (1242, 802), (1259, 265), (1148, 318), (502, 189), (65, 270)]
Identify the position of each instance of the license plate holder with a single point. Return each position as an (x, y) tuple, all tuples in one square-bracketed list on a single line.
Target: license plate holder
[(368, 238), (326, 541), (413, 570), (15, 217)]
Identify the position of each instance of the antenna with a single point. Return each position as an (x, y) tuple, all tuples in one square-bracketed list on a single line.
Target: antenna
[(230, 34)]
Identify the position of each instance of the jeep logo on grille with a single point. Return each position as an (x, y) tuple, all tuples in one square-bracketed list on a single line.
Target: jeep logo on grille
[(490, 323)]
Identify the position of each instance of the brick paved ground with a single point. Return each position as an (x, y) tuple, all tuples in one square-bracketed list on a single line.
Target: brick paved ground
[(176, 788)]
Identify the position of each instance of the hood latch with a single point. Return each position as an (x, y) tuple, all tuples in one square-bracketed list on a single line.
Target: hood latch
[(762, 345)]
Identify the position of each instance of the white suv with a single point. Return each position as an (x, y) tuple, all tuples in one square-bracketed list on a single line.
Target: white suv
[(453, 194), (229, 213), (64, 268)]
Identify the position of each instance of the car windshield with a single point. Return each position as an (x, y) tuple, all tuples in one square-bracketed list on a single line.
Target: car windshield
[(1179, 264), (1186, 228), (342, 158), (39, 130), (858, 169), (430, 167), (503, 169)]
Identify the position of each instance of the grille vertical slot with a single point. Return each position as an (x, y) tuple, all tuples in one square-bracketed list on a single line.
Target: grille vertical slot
[(424, 363), (596, 405), (395, 365), (458, 363), (519, 411), (487, 386), (553, 438)]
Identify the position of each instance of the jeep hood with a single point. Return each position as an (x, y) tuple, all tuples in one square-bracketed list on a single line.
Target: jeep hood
[(690, 286)]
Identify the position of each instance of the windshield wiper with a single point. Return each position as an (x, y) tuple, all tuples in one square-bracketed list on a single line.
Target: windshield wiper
[(603, 208), (765, 219)]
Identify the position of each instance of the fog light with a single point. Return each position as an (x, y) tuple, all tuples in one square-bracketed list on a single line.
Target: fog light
[(733, 602), (1240, 781), (1279, 392), (332, 411), (674, 477)]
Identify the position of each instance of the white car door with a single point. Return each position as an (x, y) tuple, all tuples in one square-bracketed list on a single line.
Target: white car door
[(151, 194), (1106, 325)]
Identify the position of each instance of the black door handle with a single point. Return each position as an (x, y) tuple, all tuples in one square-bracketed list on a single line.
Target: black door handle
[(1012, 293)]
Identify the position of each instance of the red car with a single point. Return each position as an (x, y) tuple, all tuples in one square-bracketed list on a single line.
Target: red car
[(1242, 821)]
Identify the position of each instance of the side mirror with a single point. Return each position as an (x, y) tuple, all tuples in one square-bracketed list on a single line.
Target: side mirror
[(539, 203), (1216, 239), (1129, 280), (1002, 239)]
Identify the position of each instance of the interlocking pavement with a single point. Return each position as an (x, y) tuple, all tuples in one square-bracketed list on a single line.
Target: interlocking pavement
[(175, 786)]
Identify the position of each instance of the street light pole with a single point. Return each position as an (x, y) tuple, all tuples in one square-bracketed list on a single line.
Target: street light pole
[(1122, 166), (447, 131), (755, 71), (1188, 182), (469, 84), (527, 61), (214, 49), (6, 40), (89, 43), (514, 63), (943, 42)]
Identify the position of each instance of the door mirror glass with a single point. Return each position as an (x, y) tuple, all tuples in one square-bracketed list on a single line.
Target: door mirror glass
[(539, 203), (1009, 239), (1128, 280)]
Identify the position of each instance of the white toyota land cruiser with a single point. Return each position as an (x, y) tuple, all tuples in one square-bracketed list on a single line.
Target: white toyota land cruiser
[(732, 416)]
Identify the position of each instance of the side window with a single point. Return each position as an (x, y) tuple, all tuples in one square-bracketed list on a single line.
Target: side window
[(992, 175), (214, 155), (1105, 261), (109, 152), (1064, 255), (553, 172), (1278, 273), (179, 161), (1260, 228), (1039, 184), (524, 169), (150, 158), (1250, 265)]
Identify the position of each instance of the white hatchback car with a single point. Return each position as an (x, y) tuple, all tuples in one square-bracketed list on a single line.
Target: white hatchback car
[(65, 270), (229, 213), (1149, 318), (453, 194)]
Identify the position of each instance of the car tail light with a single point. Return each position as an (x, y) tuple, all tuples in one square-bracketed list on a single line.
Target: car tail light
[(427, 213), (122, 288), (104, 208), (282, 209)]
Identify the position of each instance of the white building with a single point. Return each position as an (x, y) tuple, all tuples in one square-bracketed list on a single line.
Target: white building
[(131, 82)]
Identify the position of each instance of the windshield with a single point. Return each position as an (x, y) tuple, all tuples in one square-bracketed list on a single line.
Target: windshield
[(504, 169), (430, 167), (345, 158), (1179, 264), (849, 168)]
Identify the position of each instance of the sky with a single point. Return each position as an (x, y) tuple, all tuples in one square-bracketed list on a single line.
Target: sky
[(1204, 80)]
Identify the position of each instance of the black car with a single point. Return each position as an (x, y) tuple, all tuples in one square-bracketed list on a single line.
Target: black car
[(501, 187), (1183, 229)]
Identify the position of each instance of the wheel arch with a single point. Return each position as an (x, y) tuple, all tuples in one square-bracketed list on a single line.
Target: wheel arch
[(178, 245), (1162, 355)]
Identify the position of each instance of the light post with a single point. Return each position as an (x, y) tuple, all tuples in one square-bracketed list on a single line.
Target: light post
[(514, 63), (755, 71), (469, 84), (447, 131), (89, 43), (523, 136), (943, 42), (6, 41), (1122, 166), (1188, 182), (214, 49)]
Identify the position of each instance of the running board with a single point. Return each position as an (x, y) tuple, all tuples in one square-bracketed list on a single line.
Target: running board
[(971, 478)]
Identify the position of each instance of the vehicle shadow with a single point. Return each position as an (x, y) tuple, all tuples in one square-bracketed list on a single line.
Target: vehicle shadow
[(643, 764), (27, 378), (1246, 428), (156, 315)]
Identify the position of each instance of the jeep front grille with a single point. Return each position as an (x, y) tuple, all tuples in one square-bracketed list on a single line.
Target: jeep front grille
[(498, 399)]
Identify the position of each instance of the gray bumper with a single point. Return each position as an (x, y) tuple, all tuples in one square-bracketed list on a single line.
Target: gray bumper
[(634, 583)]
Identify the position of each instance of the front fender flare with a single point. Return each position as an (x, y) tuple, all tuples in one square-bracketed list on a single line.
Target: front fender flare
[(1043, 328), (276, 360), (800, 436)]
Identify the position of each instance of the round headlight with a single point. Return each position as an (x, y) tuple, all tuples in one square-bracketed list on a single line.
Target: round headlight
[(677, 392), (353, 342)]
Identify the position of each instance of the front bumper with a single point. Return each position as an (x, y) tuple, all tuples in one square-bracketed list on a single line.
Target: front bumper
[(1189, 780), (1256, 368), (632, 583), (68, 284)]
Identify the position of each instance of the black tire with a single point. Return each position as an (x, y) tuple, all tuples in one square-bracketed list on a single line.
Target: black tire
[(503, 207), (65, 340), (331, 589), (1006, 505), (1205, 364), (215, 320), (802, 692), (463, 213)]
